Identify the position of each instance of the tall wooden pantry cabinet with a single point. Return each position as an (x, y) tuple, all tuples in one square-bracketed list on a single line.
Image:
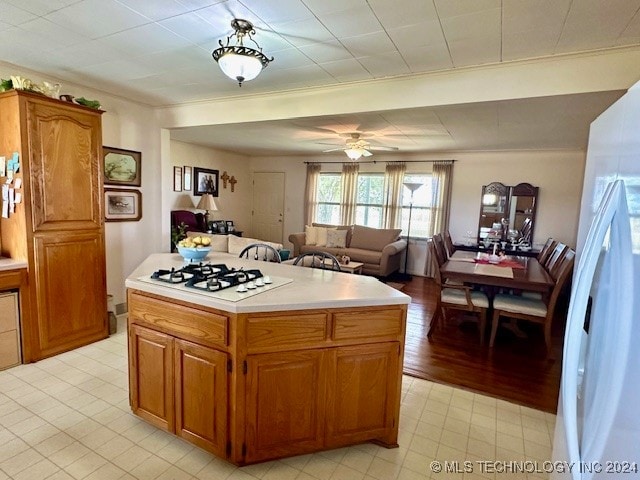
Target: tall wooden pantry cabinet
[(59, 226)]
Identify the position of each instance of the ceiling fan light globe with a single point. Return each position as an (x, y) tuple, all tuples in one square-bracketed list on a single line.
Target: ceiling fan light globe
[(353, 153), (240, 67)]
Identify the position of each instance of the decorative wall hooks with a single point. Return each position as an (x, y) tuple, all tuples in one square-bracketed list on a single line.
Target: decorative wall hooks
[(233, 182), (225, 178)]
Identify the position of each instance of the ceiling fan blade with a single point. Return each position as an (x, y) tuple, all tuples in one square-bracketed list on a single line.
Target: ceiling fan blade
[(382, 147), (366, 153), (339, 149)]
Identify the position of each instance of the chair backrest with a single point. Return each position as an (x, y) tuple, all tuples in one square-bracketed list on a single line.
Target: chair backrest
[(441, 251), (564, 270), (322, 260), (555, 259), (194, 221), (546, 250), (433, 253), (525, 231), (448, 243), (262, 252)]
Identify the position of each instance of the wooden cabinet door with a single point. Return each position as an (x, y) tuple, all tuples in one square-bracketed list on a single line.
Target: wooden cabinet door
[(65, 145), (151, 376), (285, 404), (362, 397), (70, 298), (201, 396)]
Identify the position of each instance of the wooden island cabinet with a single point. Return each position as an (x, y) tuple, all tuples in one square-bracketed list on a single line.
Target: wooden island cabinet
[(269, 380)]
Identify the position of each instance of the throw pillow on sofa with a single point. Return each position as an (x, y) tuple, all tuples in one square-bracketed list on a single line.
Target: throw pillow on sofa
[(322, 234), (310, 235), (373, 238), (337, 238)]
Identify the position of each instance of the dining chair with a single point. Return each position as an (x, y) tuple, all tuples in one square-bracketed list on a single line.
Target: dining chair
[(448, 243), (537, 310), (456, 297), (525, 231), (440, 249), (546, 250), (322, 260), (261, 251), (555, 259)]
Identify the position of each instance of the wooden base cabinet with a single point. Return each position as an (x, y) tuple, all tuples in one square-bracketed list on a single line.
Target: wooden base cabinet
[(260, 386), (179, 386)]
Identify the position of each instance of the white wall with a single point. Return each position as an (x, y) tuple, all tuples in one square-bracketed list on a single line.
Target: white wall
[(235, 205)]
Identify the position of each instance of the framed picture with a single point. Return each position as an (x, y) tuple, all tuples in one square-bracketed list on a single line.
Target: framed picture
[(230, 226), (187, 178), (221, 226), (121, 167), (122, 205), (177, 179), (205, 181)]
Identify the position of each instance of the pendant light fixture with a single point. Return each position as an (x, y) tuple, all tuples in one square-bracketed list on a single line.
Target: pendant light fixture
[(238, 62)]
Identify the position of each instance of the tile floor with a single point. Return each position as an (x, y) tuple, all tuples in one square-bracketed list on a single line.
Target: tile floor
[(68, 417)]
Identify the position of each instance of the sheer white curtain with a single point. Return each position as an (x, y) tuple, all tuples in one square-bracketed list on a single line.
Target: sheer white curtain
[(348, 197), (311, 202), (440, 204), (393, 178)]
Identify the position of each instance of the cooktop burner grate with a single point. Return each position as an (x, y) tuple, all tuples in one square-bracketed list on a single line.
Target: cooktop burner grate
[(207, 277)]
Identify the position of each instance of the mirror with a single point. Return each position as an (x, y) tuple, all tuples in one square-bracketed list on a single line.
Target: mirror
[(507, 213), (522, 210), (493, 208)]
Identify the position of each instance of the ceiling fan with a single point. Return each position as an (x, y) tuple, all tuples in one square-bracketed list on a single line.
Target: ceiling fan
[(356, 147)]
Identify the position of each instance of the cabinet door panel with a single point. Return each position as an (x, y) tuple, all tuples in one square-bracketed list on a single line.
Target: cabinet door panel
[(285, 404), (71, 290), (65, 147), (151, 376), (363, 394), (201, 396)]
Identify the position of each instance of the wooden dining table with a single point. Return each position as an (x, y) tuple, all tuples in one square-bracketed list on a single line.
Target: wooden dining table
[(522, 273)]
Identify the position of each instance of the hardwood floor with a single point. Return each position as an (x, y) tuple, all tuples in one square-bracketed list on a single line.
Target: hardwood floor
[(515, 369)]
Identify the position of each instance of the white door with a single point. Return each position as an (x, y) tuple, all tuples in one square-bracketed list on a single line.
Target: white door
[(267, 219)]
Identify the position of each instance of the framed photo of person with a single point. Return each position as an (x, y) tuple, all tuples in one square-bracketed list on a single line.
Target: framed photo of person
[(205, 181)]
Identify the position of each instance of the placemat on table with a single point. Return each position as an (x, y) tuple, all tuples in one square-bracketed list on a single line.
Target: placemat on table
[(493, 270)]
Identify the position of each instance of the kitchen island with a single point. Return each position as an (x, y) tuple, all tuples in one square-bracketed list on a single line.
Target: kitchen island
[(312, 362)]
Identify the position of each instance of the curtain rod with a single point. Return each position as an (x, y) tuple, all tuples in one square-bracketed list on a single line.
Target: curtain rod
[(385, 161)]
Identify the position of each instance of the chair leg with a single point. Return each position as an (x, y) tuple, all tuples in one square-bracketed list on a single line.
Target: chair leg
[(494, 327), (547, 336), (434, 320)]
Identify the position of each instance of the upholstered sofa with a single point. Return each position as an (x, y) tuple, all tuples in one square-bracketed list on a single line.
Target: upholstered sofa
[(230, 243), (380, 250)]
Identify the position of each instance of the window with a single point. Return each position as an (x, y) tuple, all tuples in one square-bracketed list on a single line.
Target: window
[(328, 195), (421, 210), (369, 200)]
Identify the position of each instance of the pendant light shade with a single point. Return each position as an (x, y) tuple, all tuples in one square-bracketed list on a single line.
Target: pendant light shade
[(238, 62)]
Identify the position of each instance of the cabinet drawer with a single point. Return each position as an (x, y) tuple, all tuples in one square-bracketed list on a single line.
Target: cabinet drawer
[(297, 329), (9, 349), (386, 323), (181, 321), (8, 312)]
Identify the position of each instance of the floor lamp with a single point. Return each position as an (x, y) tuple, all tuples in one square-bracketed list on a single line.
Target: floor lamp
[(412, 188)]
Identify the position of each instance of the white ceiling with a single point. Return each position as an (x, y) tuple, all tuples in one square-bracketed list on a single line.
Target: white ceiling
[(159, 52)]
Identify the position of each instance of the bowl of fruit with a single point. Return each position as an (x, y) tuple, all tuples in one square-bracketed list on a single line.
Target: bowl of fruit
[(194, 249)]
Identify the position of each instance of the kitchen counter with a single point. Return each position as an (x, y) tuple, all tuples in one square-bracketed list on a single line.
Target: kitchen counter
[(312, 364), (11, 264), (310, 288)]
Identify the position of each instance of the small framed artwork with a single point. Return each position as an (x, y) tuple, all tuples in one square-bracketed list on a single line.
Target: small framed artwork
[(177, 179), (122, 205), (121, 167), (230, 226), (187, 178), (205, 181), (221, 226)]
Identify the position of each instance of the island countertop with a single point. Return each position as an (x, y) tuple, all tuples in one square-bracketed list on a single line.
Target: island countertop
[(311, 288)]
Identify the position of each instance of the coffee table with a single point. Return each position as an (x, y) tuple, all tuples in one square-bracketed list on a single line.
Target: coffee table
[(352, 267)]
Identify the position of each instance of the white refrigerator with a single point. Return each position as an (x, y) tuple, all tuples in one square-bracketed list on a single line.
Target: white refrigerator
[(598, 425)]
